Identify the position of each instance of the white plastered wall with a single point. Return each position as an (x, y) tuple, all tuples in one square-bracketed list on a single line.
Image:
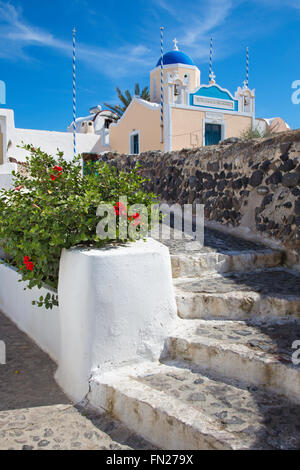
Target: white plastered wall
[(116, 308), (48, 141)]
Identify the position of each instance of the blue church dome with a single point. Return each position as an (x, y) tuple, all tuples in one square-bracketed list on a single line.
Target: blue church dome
[(176, 57)]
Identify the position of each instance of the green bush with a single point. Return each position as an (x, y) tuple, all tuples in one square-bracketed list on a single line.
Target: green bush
[(255, 133), (54, 207)]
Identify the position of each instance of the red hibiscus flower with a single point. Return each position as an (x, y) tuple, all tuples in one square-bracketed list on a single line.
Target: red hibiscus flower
[(136, 218), (58, 169), (120, 209), (53, 177), (30, 266)]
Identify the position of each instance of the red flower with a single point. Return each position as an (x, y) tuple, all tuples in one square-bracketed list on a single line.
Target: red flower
[(58, 169), (29, 266), (120, 208), (136, 217), (53, 177), (18, 188)]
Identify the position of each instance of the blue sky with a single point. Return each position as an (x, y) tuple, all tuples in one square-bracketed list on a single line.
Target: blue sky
[(118, 43)]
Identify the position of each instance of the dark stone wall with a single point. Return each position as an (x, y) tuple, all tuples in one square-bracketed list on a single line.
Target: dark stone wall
[(254, 183)]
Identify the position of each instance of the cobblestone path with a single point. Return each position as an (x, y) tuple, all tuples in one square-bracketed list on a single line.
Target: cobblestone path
[(35, 413)]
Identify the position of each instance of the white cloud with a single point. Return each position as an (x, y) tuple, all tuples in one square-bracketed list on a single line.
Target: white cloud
[(191, 22), (194, 22), (16, 35)]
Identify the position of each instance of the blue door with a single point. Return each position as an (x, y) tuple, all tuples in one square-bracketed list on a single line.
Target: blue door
[(212, 134)]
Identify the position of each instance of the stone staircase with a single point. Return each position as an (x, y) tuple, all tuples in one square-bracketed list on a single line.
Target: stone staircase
[(227, 380)]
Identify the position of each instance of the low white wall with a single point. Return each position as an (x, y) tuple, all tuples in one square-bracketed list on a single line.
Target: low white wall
[(48, 141), (42, 325), (117, 307)]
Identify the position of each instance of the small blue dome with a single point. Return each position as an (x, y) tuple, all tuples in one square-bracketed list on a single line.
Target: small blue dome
[(176, 57)]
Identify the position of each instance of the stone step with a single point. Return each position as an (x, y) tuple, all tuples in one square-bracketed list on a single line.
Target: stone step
[(176, 406), (193, 264), (255, 353), (267, 293), (220, 253)]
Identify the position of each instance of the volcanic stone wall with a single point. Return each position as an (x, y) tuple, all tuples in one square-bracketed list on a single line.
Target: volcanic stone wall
[(254, 184)]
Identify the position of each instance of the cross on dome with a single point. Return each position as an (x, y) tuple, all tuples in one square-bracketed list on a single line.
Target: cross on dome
[(175, 44), (212, 77)]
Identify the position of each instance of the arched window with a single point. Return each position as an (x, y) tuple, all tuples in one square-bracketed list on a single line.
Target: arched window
[(247, 103), (154, 88)]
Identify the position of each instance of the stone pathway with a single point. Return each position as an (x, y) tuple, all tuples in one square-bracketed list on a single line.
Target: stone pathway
[(35, 413), (277, 282), (227, 380), (254, 417)]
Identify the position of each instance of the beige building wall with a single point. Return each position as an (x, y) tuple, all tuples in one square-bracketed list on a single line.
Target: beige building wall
[(138, 117), (235, 125), (181, 70), (188, 127)]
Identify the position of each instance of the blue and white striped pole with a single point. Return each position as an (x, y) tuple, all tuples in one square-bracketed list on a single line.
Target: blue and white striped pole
[(247, 68), (210, 57), (74, 93), (162, 84)]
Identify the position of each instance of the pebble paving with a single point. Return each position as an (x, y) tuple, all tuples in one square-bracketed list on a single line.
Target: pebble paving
[(277, 282), (36, 415), (257, 420), (275, 339), (214, 241)]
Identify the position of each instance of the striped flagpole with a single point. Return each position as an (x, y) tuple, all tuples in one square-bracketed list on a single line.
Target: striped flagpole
[(162, 83), (247, 68), (74, 93), (210, 57)]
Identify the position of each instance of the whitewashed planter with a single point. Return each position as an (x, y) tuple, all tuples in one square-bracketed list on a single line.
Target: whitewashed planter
[(117, 306)]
